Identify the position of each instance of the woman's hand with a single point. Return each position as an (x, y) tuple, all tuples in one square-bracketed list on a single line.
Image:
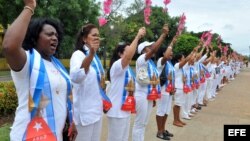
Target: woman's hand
[(30, 3), (72, 132), (94, 44), (165, 29), (141, 33)]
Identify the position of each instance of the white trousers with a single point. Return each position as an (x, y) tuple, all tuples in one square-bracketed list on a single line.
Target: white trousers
[(214, 87), (209, 88), (195, 96), (90, 132), (118, 129), (143, 111), (179, 97), (187, 104), (164, 105), (202, 91)]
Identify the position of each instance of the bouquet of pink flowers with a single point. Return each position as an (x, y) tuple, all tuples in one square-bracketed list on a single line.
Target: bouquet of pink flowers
[(181, 25), (147, 11), (107, 9)]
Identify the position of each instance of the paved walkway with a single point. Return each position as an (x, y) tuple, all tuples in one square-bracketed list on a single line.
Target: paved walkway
[(231, 106)]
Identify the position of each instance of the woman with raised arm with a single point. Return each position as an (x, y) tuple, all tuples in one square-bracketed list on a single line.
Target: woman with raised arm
[(88, 77), (164, 105), (122, 87), (42, 84), (147, 86), (180, 64)]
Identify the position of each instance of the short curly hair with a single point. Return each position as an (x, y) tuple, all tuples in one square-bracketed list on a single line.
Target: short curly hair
[(35, 28)]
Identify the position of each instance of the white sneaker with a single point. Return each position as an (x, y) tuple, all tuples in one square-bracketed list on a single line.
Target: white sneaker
[(191, 115), (186, 117), (193, 111)]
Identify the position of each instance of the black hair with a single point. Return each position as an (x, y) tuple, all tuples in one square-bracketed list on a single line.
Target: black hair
[(177, 57), (116, 55), (160, 52), (83, 32), (34, 29)]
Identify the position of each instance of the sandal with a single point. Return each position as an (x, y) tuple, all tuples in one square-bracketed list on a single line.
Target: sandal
[(162, 136), (168, 133)]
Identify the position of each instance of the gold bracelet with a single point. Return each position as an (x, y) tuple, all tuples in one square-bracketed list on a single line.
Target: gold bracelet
[(29, 8)]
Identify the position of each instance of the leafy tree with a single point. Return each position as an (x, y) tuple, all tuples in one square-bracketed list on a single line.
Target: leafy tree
[(9, 10), (72, 13), (185, 44)]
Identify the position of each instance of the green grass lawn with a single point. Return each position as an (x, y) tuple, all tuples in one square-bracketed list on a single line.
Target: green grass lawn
[(4, 132)]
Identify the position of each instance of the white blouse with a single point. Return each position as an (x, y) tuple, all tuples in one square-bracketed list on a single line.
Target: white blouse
[(117, 76), (87, 100)]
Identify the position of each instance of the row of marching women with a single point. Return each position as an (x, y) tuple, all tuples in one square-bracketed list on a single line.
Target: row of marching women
[(48, 96)]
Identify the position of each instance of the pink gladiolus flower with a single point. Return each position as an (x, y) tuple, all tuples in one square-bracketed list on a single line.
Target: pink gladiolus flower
[(209, 39), (109, 2), (206, 37), (166, 1), (102, 21), (147, 21), (106, 6), (148, 3), (203, 36), (147, 11), (181, 25)]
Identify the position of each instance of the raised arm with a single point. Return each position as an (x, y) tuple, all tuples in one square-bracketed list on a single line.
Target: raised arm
[(184, 61), (210, 59), (168, 51), (93, 43), (130, 51), (201, 51), (158, 43), (14, 36)]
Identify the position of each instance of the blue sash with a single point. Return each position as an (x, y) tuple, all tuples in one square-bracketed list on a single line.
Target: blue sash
[(40, 85), (129, 73), (184, 75), (151, 64), (170, 65), (191, 75), (97, 65)]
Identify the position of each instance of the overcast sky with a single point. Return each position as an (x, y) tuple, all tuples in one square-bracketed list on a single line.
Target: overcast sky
[(229, 18)]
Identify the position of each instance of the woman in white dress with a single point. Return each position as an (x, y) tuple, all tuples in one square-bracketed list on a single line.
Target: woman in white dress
[(42, 84), (146, 69), (122, 85), (87, 75)]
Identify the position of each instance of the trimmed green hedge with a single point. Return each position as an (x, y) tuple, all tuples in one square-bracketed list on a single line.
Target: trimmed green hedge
[(3, 65), (5, 132), (8, 98)]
